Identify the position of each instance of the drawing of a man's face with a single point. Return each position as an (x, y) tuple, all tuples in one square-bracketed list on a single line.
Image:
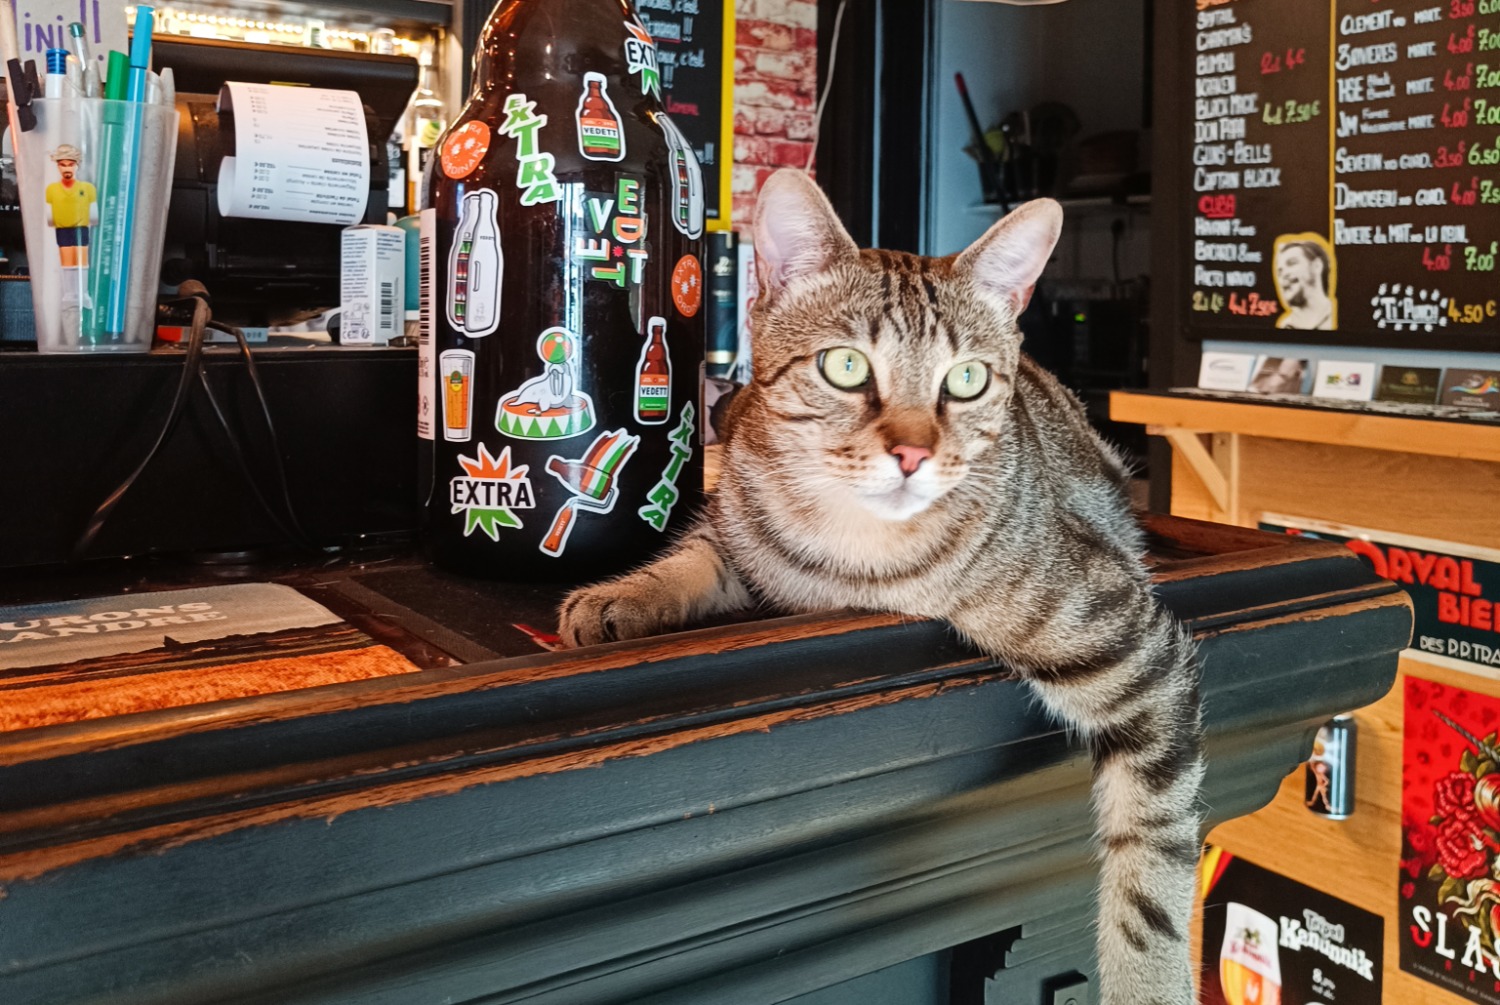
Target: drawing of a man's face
[(1298, 273)]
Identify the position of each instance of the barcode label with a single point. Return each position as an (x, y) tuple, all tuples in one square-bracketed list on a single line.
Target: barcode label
[(426, 345), (387, 321)]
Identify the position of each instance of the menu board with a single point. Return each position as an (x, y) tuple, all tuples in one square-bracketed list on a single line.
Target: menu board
[(695, 51), (1345, 167)]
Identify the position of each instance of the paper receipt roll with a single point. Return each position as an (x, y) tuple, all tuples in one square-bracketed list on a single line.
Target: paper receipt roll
[(300, 153)]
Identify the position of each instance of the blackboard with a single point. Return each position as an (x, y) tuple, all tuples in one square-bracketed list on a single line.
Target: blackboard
[(1341, 175), (695, 50)]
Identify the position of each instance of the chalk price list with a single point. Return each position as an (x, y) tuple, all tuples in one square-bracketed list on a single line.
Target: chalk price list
[(1417, 152), (1258, 89)]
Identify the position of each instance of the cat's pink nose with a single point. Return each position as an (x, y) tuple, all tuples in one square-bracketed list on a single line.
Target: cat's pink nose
[(910, 457)]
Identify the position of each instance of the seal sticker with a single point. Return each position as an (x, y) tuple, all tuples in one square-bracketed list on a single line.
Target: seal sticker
[(591, 480), (549, 407), (464, 149), (687, 285), (475, 264)]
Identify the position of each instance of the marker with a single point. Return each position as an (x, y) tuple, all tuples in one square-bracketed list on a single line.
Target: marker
[(57, 74), (117, 304), (79, 43)]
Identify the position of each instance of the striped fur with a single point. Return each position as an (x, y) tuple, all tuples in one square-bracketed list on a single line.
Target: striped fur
[(1016, 530)]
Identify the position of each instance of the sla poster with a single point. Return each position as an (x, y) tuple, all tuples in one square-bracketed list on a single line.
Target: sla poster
[(1450, 834), (1454, 588), (1269, 940)]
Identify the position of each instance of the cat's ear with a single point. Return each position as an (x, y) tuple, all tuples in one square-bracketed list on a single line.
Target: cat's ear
[(1010, 256), (796, 230)]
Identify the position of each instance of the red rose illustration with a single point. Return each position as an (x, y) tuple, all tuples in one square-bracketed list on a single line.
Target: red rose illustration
[(1461, 849), (1454, 793), (1407, 889)]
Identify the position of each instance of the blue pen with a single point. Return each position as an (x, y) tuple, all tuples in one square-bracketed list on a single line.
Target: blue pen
[(117, 307)]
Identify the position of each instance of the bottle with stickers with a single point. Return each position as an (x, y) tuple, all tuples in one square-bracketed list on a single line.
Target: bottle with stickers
[(564, 236)]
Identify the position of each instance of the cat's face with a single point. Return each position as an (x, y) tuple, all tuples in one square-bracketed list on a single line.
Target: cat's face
[(882, 377)]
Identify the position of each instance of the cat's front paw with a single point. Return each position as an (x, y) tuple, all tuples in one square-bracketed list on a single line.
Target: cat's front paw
[(608, 612)]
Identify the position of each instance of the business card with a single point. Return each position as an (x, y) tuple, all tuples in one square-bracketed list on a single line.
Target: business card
[(1279, 375), (1344, 381), (1411, 385), (1472, 388), (1225, 371)]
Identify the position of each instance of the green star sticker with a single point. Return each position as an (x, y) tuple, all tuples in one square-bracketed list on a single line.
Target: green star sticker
[(490, 521)]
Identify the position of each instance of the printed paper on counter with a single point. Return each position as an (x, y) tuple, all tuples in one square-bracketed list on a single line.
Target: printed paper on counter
[(301, 154), (1225, 371), (1345, 381)]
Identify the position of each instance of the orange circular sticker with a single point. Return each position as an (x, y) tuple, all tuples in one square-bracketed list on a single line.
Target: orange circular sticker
[(464, 149), (687, 285)]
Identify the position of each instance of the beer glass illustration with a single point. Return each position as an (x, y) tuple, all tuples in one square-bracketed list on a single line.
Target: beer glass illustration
[(1249, 966), (591, 479), (456, 373)]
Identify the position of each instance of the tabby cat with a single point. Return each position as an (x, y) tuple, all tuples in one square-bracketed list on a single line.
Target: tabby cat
[(896, 451)]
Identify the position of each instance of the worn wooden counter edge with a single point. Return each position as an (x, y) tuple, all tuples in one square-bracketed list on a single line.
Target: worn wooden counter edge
[(623, 824)]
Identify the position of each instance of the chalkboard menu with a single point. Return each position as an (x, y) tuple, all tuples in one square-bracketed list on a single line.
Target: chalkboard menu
[(1345, 170), (695, 50)]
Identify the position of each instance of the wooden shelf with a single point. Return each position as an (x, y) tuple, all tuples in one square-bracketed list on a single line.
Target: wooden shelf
[(1436, 438)]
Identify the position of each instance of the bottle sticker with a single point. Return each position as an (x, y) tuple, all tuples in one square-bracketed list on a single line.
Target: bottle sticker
[(618, 222), (549, 407), (456, 375), (640, 57), (687, 285), (591, 481), (475, 267), (687, 180), (465, 149), (601, 137), (664, 494), (534, 178), (653, 376), (426, 337), (489, 492)]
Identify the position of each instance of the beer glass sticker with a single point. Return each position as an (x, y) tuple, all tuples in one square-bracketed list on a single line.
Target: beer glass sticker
[(551, 406), (475, 266), (1249, 965), (465, 149), (640, 57), (687, 180), (600, 135), (489, 492), (590, 480), (653, 376), (456, 373)]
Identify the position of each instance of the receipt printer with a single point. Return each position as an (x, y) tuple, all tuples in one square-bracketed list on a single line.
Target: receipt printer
[(261, 271)]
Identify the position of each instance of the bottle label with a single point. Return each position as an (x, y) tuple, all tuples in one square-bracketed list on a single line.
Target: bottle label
[(600, 137), (653, 396), (612, 229)]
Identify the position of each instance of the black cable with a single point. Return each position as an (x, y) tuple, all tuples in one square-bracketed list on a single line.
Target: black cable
[(191, 362)]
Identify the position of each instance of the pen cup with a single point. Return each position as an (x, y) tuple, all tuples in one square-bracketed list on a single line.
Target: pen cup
[(95, 179)]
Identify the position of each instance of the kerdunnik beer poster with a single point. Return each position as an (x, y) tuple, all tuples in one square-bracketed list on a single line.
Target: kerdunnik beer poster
[(1269, 940), (1449, 883)]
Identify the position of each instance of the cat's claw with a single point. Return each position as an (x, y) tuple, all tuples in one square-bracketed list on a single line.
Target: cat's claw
[(605, 612)]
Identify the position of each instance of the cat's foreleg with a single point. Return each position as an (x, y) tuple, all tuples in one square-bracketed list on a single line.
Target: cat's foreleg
[(1129, 686), (688, 582)]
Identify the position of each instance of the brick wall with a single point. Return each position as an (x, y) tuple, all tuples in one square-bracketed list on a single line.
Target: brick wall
[(775, 93)]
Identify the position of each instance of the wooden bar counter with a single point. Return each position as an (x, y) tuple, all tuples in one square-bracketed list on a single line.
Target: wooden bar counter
[(747, 812)]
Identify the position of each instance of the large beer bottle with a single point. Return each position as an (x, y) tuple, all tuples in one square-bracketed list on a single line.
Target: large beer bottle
[(566, 251)]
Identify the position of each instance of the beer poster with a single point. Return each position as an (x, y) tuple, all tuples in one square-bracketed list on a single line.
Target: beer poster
[(1269, 940), (1450, 835), (1454, 588)]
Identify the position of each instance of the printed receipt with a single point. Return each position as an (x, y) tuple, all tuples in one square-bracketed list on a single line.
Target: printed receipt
[(301, 153)]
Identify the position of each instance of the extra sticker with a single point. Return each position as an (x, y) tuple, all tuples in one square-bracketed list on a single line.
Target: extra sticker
[(549, 407), (490, 492), (687, 180), (591, 480), (664, 494), (618, 247), (475, 265), (687, 285), (456, 373), (640, 57), (534, 178), (653, 376), (465, 149), (600, 135)]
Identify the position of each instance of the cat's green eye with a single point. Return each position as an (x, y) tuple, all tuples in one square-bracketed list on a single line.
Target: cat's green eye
[(967, 380), (845, 368)]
